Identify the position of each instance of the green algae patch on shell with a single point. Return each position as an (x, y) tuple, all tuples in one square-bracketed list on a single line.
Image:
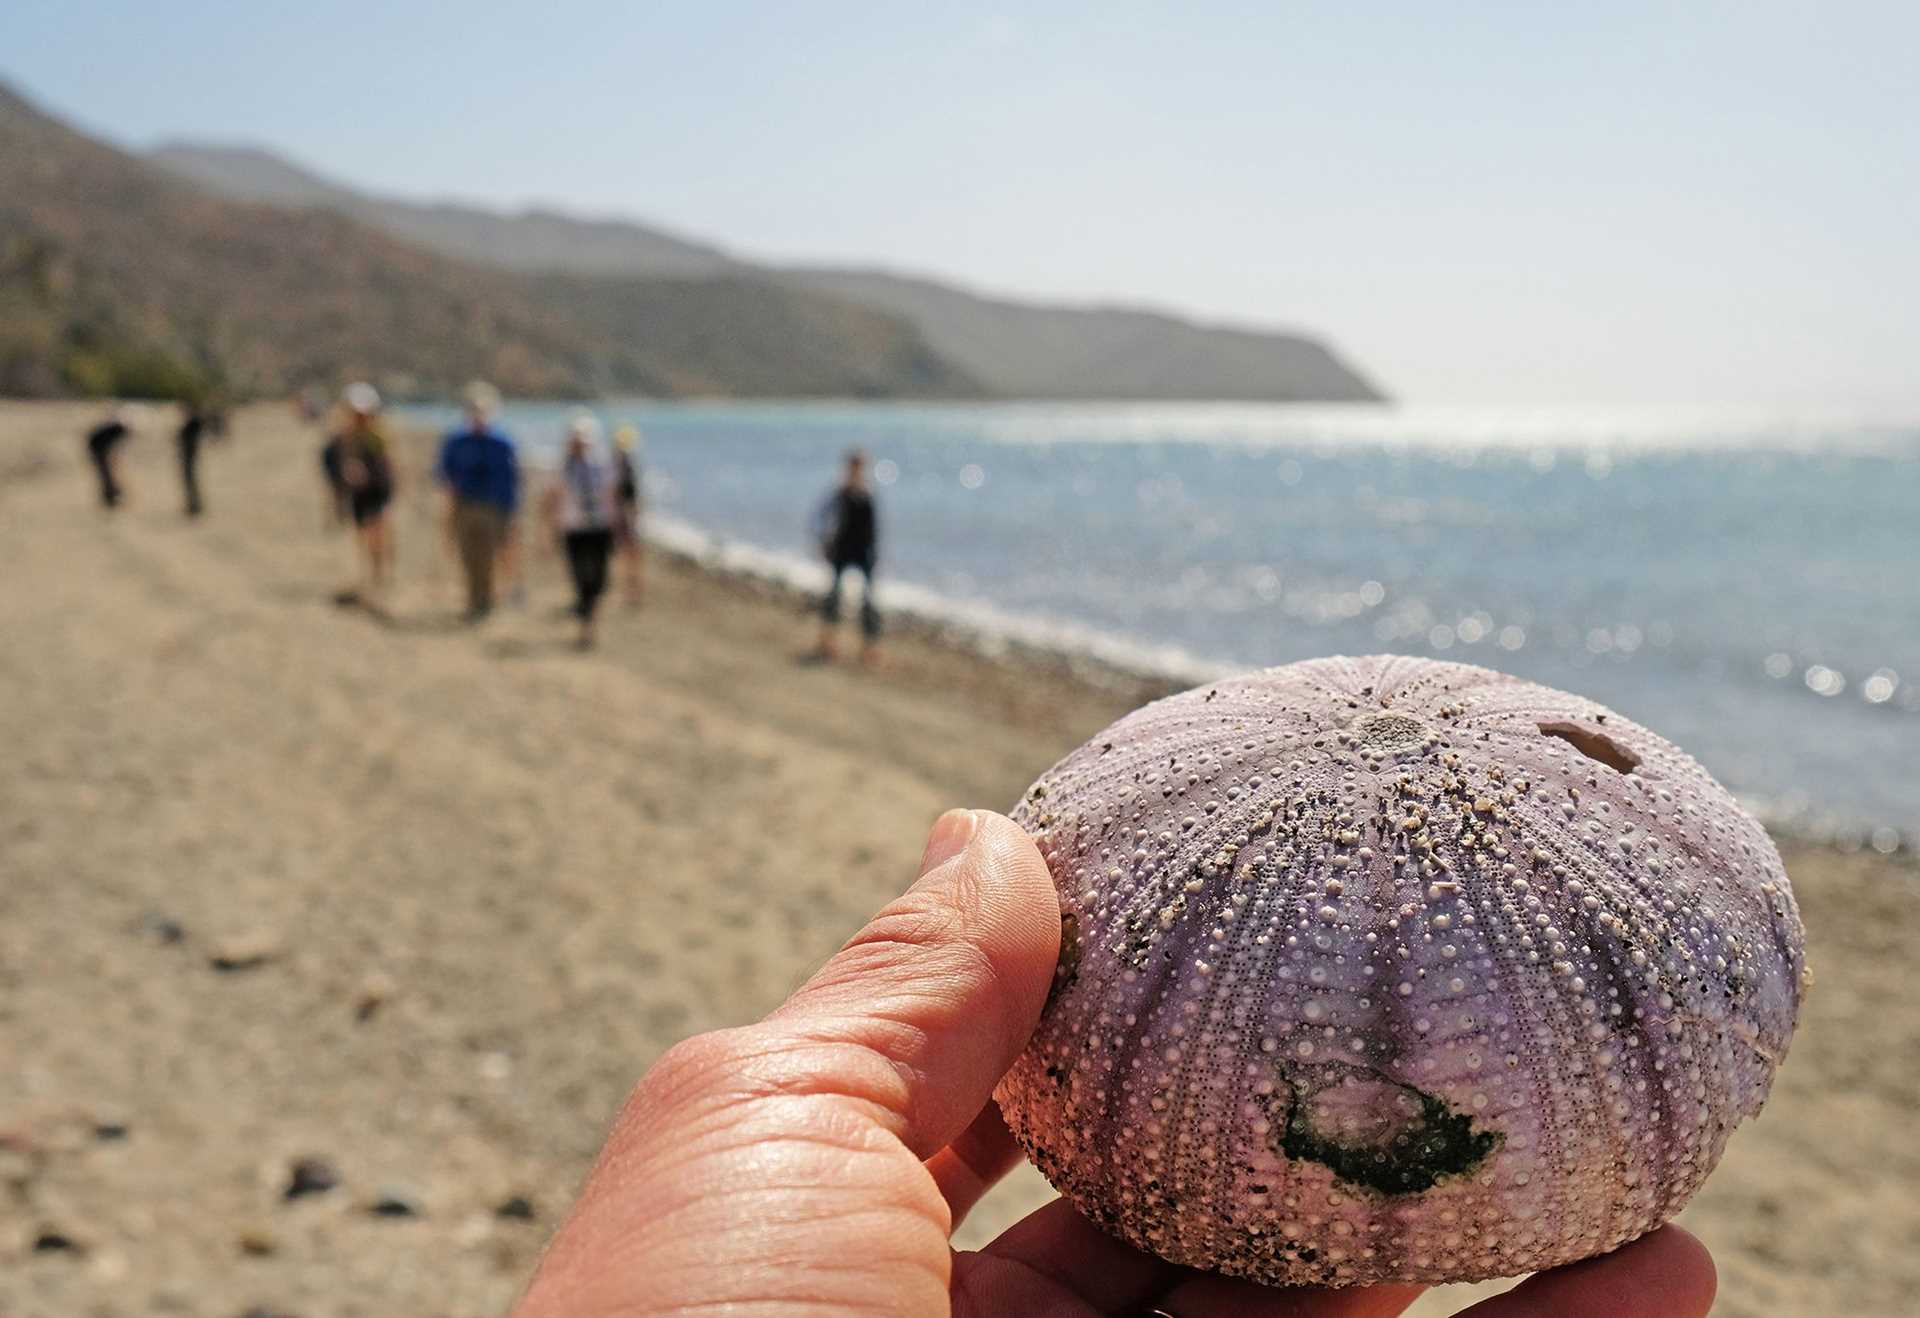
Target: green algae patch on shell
[(1392, 969)]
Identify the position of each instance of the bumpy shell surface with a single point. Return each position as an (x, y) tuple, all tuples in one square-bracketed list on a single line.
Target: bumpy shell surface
[(1389, 969)]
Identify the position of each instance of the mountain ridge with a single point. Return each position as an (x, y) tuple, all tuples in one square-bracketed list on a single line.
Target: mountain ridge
[(535, 239), (1014, 347), (119, 277)]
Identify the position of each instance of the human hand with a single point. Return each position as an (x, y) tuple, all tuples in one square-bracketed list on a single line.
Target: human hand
[(816, 1162)]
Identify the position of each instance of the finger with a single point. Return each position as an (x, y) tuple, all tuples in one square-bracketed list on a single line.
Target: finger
[(782, 1162), (943, 986), (1053, 1254), (1667, 1274), (974, 1163)]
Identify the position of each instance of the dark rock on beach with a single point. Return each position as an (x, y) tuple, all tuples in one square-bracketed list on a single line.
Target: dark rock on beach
[(310, 1176)]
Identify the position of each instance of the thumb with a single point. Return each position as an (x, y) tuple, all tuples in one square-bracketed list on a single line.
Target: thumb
[(755, 1162), (945, 984)]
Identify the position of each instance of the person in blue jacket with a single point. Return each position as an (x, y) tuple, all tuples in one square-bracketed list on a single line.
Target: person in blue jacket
[(481, 474)]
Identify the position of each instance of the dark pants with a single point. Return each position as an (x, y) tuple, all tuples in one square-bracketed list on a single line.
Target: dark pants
[(479, 529), (869, 615), (190, 472), (587, 555), (102, 456)]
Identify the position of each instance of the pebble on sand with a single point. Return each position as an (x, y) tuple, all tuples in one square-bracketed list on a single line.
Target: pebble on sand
[(310, 1176), (161, 928), (375, 989), (257, 1242), (391, 1202), (244, 953), (516, 1208)]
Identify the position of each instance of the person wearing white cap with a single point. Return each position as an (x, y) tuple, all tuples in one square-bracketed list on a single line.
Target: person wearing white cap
[(357, 400), (581, 507), (358, 465), (481, 474)]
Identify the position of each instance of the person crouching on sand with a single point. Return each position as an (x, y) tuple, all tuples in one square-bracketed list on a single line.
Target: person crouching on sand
[(626, 527), (481, 474), (582, 507), (849, 533), (358, 463), (103, 441)]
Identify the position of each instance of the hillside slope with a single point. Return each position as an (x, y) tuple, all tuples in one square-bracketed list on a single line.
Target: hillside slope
[(118, 278), (1036, 351), (531, 240), (733, 335), (1014, 349)]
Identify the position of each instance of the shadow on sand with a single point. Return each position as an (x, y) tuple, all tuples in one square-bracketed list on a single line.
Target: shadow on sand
[(524, 647), (412, 623)]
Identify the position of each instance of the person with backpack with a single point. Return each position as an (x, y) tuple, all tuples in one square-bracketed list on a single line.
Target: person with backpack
[(848, 528), (358, 462), (582, 507)]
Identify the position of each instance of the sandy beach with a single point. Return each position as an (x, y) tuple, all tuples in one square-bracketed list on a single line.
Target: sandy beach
[(282, 881)]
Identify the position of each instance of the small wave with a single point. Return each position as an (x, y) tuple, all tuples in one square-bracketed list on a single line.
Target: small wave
[(1544, 436)]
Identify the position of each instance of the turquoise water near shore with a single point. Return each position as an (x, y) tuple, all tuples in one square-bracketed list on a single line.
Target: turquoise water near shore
[(1748, 586)]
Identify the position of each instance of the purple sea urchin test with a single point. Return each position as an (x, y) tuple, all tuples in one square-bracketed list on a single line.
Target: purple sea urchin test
[(1390, 969)]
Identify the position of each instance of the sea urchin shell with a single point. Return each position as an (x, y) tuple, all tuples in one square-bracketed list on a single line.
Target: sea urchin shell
[(1389, 969)]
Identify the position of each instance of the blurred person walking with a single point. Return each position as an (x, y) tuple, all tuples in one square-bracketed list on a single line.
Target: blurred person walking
[(848, 529), (358, 463), (310, 404), (193, 427), (359, 412), (481, 474), (626, 527), (102, 442), (582, 508)]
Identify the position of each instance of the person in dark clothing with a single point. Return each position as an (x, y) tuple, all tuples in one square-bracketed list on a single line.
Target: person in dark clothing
[(849, 532), (360, 409), (626, 527), (102, 440), (581, 507), (359, 466), (192, 425), (338, 496)]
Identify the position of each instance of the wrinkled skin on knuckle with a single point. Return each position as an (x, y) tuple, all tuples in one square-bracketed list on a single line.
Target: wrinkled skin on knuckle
[(695, 1066)]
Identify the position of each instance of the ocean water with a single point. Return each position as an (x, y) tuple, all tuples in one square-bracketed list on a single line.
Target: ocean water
[(1747, 586)]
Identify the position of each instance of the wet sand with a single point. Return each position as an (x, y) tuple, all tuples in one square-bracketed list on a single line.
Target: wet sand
[(279, 880)]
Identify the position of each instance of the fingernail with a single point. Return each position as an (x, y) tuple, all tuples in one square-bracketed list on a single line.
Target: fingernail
[(950, 835)]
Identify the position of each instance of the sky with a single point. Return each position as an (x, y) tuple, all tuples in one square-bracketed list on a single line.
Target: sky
[(1625, 204)]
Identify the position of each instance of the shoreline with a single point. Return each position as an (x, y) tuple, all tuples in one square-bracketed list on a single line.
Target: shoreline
[(1830, 797), (285, 882), (1102, 660)]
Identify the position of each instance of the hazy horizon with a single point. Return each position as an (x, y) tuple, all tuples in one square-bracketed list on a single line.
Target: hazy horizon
[(1631, 209)]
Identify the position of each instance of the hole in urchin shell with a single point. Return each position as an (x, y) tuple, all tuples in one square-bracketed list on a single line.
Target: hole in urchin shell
[(1373, 1131), (1594, 745), (1389, 732)]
